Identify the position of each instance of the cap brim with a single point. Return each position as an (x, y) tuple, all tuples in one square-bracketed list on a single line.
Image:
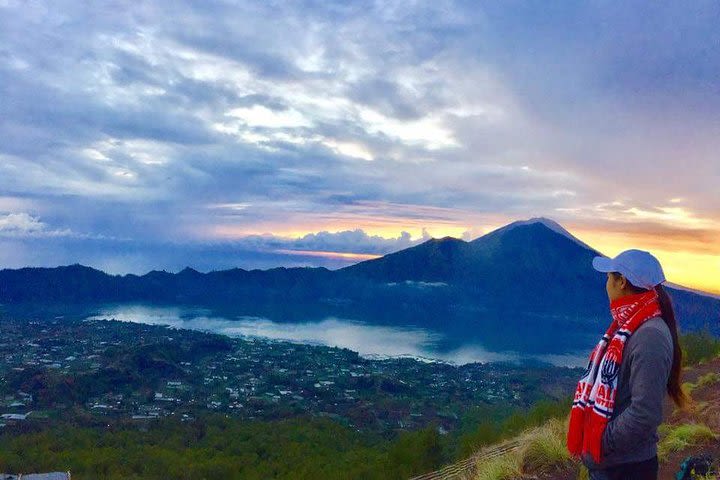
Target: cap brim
[(603, 264)]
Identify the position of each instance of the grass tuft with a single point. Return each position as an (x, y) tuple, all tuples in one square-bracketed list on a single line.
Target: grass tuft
[(683, 436), (688, 388), (546, 450), (708, 379), (542, 450)]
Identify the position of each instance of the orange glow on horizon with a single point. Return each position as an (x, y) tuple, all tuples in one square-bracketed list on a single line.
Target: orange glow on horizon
[(326, 254), (387, 231), (689, 258)]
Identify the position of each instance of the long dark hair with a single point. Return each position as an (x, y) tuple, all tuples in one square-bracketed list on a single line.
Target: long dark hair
[(674, 385)]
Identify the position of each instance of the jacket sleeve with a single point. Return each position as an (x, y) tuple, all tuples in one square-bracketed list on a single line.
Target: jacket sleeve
[(651, 360)]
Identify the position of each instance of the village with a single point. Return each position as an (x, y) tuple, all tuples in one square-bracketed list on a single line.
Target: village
[(52, 368)]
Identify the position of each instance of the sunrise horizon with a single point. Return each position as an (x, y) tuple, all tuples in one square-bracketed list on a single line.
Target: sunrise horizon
[(676, 264)]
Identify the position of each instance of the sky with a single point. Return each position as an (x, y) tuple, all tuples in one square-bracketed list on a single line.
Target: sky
[(157, 135)]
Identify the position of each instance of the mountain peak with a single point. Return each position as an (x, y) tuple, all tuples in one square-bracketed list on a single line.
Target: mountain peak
[(446, 239), (188, 271), (547, 222)]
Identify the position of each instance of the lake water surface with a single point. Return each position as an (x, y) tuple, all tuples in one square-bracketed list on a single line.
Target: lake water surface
[(370, 341)]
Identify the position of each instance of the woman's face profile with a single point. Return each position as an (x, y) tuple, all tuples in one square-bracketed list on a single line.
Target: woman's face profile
[(615, 285)]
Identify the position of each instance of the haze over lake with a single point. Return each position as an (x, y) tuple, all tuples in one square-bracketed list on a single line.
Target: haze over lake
[(370, 341)]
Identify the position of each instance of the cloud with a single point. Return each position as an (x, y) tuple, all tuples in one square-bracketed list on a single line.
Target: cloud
[(22, 225), (313, 121), (13, 224)]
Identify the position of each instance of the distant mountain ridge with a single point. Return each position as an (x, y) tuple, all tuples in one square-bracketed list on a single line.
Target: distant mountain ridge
[(531, 267)]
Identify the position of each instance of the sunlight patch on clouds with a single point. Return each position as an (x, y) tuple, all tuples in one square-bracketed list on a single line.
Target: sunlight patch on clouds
[(349, 149), (312, 62), (428, 132), (672, 215), (260, 116), (117, 151), (271, 135), (93, 154), (680, 218), (188, 62)]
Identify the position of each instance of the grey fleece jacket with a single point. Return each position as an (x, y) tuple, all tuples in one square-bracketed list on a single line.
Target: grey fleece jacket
[(631, 433)]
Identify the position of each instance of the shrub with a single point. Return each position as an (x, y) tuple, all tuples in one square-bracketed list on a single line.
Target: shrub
[(546, 450), (542, 450), (699, 347)]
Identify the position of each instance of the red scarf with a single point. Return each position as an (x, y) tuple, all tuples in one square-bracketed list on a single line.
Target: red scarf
[(595, 394)]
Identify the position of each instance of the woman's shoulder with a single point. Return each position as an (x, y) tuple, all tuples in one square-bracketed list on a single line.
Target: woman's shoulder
[(653, 331), (656, 323)]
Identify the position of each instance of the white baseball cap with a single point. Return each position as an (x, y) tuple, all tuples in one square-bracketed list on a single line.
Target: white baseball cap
[(640, 267)]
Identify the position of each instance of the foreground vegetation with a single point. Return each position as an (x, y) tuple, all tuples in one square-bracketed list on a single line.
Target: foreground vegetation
[(699, 347), (216, 446), (224, 447), (679, 437), (542, 451)]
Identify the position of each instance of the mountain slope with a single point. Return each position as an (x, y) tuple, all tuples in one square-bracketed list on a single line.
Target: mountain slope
[(435, 260), (525, 266)]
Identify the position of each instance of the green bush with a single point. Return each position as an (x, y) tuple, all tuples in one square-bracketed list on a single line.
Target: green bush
[(699, 347), (493, 424), (217, 447)]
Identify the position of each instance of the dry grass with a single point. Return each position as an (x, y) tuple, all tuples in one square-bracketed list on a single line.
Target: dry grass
[(505, 467), (546, 449), (542, 450)]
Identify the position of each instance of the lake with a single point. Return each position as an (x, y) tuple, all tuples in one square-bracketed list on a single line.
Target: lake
[(369, 340)]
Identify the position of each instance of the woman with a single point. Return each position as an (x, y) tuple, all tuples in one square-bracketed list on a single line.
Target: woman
[(618, 402)]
